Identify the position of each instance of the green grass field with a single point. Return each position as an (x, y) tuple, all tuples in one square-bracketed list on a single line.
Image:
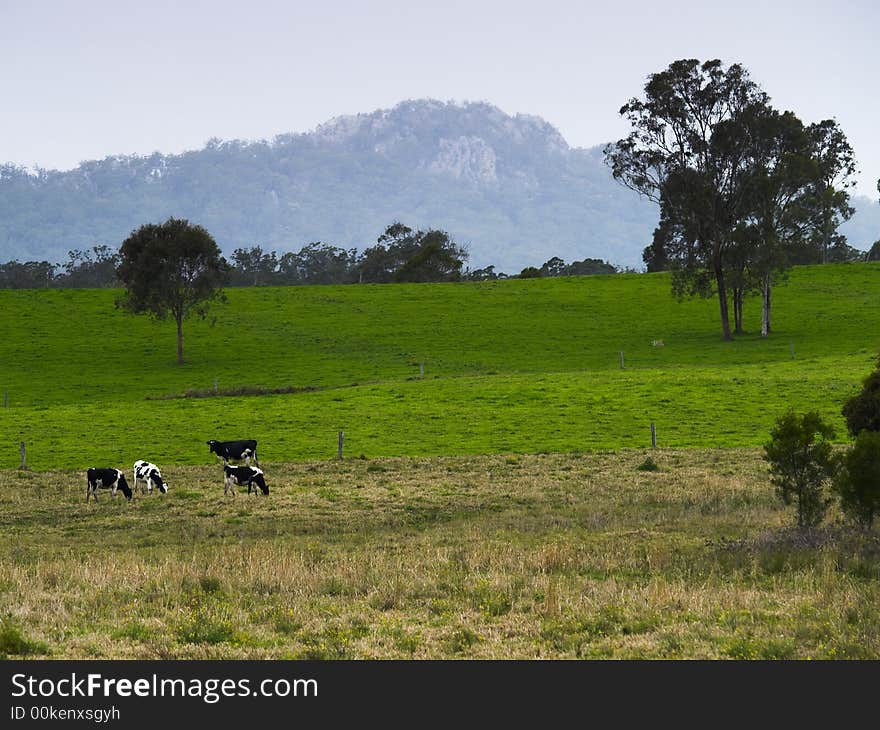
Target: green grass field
[(496, 508), (512, 366)]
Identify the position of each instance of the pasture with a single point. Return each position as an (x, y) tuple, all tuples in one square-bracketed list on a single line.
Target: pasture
[(494, 508), (528, 556), (510, 366)]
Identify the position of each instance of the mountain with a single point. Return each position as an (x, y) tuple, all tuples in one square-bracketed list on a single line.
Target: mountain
[(510, 188), (864, 227)]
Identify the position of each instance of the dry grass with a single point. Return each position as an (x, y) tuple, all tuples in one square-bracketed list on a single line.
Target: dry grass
[(543, 556)]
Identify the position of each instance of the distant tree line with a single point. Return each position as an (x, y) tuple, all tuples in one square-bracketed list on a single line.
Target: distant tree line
[(83, 269), (401, 254)]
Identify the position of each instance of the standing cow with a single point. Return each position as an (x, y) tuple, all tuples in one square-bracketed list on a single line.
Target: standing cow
[(227, 450), (242, 475), (106, 478), (148, 475)]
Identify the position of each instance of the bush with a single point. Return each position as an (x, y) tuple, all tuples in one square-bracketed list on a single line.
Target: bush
[(858, 479), (648, 465), (862, 411), (801, 460)]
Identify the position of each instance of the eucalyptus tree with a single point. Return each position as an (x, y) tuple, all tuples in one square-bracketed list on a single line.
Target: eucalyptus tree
[(685, 152), (782, 200), (834, 177)]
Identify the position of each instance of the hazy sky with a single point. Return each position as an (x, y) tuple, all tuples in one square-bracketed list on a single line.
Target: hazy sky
[(86, 79)]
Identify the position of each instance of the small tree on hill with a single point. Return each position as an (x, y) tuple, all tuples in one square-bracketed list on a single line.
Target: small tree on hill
[(801, 461), (858, 479), (862, 411), (171, 269)]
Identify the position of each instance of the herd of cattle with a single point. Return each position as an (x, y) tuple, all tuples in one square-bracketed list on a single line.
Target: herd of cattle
[(148, 477)]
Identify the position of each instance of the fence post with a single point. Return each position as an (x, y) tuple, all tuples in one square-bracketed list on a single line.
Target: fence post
[(23, 466), (653, 436), (341, 439), (6, 398), (621, 360), (791, 349), (421, 370), (215, 385)]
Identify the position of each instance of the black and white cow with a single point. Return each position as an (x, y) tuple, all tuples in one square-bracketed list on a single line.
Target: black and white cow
[(242, 475), (227, 450), (106, 478), (148, 475)]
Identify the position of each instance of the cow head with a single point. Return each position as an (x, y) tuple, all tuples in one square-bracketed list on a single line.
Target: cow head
[(260, 481), (123, 487)]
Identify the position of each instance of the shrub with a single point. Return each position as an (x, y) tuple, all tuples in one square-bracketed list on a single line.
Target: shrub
[(801, 460), (648, 465), (858, 479), (862, 411)]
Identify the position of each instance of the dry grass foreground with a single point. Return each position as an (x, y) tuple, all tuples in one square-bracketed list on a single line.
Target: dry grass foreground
[(542, 556)]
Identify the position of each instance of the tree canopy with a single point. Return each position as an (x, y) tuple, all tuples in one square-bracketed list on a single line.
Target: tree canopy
[(172, 269)]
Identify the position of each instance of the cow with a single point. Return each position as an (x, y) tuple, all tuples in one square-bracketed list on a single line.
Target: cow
[(227, 450), (242, 475), (148, 475), (106, 478)]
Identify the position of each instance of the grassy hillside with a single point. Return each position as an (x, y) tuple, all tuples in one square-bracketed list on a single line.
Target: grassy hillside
[(511, 366)]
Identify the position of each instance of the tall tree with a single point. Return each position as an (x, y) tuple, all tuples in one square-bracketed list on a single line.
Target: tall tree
[(834, 173), (172, 269), (685, 153), (781, 200)]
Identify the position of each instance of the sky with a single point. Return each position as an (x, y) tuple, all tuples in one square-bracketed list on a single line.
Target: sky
[(85, 79)]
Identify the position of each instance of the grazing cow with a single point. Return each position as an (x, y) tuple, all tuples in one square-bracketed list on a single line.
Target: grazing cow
[(148, 475), (105, 478), (242, 475), (227, 450)]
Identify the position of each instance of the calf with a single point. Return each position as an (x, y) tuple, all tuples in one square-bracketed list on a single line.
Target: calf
[(227, 450), (242, 475), (148, 475), (105, 478)]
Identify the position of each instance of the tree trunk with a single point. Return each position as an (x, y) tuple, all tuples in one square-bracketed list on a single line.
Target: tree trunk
[(179, 340), (722, 301), (738, 310), (765, 306)]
